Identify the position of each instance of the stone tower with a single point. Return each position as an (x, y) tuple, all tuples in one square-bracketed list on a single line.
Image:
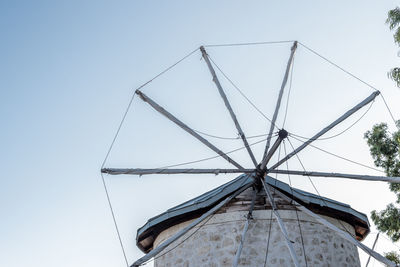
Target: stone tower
[(215, 241)]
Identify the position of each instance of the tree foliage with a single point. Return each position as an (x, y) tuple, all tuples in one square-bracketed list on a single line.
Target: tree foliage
[(393, 256), (394, 24), (385, 150)]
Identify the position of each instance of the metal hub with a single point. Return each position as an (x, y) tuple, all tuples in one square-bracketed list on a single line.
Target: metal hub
[(283, 134)]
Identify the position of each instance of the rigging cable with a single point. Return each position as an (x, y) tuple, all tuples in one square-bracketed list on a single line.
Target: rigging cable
[(229, 138), (213, 157), (306, 47), (315, 53), (104, 182), (246, 44), (297, 215), (390, 112), (315, 188), (338, 156), (114, 219), (337, 66), (352, 75), (167, 69), (113, 142), (388, 239), (340, 133), (241, 92)]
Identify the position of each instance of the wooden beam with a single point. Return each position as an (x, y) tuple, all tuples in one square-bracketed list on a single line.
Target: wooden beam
[(329, 127), (186, 128), (116, 171), (282, 135), (281, 224), (340, 175), (278, 104), (227, 104), (246, 227)]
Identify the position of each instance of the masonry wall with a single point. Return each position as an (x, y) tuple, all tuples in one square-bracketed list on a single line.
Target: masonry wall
[(214, 243)]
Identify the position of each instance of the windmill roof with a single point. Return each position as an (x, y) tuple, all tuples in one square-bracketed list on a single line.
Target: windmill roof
[(197, 206)]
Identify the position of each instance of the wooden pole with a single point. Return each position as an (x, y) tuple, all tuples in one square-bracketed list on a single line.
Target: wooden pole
[(246, 227), (282, 135), (329, 127), (281, 225), (278, 104), (186, 128), (116, 171), (339, 175), (227, 104)]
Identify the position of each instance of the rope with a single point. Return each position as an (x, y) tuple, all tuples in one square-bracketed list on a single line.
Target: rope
[(114, 219), (340, 157), (388, 239), (104, 182), (213, 157), (167, 69), (246, 44), (337, 66), (113, 142), (336, 135), (240, 91), (315, 188), (133, 96), (306, 47), (118, 130), (229, 138), (388, 109)]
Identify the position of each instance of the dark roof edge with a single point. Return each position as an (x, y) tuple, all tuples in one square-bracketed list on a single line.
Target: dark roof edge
[(190, 209), (201, 204)]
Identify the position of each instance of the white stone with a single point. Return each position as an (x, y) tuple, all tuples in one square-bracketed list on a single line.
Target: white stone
[(215, 240)]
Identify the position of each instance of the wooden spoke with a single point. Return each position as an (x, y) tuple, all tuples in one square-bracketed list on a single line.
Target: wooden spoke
[(228, 105), (246, 227), (186, 128), (116, 171), (340, 175), (329, 127), (282, 135), (278, 104), (281, 224)]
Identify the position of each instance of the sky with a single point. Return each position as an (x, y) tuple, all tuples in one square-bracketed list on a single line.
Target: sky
[(69, 68)]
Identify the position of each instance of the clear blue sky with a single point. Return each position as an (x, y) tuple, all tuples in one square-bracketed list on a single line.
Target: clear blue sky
[(68, 69)]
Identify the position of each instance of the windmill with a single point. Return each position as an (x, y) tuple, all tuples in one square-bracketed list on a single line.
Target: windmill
[(254, 184)]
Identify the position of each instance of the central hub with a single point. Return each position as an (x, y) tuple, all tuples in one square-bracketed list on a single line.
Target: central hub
[(259, 175), (282, 134)]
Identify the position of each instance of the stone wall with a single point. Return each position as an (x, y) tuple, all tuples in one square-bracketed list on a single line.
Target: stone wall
[(215, 241)]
